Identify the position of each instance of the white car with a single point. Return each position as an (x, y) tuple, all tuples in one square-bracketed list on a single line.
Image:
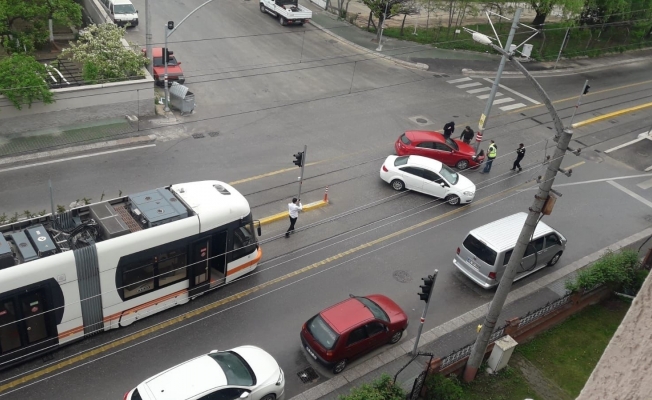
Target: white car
[(427, 176), (246, 372)]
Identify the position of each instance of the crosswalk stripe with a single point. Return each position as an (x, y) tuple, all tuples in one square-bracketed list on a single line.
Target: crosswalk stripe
[(469, 85), (486, 96), (503, 100), (483, 89), (459, 80), (512, 106)]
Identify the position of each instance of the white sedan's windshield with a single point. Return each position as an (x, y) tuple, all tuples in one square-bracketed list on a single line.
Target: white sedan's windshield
[(124, 9), (450, 175)]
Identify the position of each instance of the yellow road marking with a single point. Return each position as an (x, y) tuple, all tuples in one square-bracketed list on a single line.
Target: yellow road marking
[(130, 338), (575, 165), (281, 215), (611, 115)]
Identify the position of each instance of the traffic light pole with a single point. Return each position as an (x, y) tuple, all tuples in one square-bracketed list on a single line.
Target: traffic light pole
[(165, 66), (423, 316), (303, 163), (585, 90)]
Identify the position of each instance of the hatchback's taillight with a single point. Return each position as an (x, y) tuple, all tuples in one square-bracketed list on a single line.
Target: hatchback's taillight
[(126, 394), (329, 354), (458, 250), (492, 275), (385, 168)]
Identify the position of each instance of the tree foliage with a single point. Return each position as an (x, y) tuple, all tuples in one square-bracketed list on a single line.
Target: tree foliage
[(103, 55), (545, 7), (24, 24), (392, 7), (619, 271), (382, 388), (22, 81)]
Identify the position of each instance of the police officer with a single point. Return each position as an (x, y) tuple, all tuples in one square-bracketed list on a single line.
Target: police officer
[(492, 151), (520, 153)]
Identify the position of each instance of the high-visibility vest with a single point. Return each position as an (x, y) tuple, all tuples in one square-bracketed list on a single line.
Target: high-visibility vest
[(492, 151)]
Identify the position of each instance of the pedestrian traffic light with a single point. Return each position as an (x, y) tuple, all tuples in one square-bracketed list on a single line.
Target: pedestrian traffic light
[(586, 89), (426, 288), (298, 159)]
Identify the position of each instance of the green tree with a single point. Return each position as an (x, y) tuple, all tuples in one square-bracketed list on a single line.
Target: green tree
[(22, 81), (393, 7), (103, 55), (20, 27), (65, 12), (544, 7)]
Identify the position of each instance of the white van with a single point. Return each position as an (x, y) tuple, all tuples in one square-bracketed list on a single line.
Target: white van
[(122, 12), (486, 250)]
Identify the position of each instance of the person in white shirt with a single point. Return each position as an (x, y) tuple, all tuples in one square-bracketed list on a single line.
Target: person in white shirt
[(293, 209)]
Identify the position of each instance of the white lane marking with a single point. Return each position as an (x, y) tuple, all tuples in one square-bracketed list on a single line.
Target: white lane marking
[(486, 96), (460, 80), (598, 180), (469, 85), (482, 89), (512, 106), (514, 91), (648, 169), (503, 100), (645, 185), (624, 145), (75, 158), (629, 192)]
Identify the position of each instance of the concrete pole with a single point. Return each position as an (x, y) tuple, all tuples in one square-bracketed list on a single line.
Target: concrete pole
[(545, 186), (423, 316), (303, 163), (165, 73), (148, 36), (380, 41), (494, 88)]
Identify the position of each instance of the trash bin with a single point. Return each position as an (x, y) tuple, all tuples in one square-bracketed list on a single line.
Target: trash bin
[(182, 98)]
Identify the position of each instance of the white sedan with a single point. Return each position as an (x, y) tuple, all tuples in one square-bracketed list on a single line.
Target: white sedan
[(246, 372), (427, 176)]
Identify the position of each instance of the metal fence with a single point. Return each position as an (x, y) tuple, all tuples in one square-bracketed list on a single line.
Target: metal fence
[(548, 308)]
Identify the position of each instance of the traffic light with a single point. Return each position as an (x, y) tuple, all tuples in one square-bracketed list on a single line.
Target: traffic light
[(298, 159), (171, 25), (586, 89), (426, 288)]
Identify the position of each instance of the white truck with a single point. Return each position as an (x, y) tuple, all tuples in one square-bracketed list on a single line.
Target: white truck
[(287, 11)]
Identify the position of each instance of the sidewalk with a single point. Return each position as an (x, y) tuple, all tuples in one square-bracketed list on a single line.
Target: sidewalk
[(455, 61), (456, 333)]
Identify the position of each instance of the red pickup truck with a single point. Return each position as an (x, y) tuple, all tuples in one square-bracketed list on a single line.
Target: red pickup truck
[(175, 73)]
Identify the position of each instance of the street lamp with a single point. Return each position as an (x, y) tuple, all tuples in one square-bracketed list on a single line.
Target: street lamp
[(536, 211)]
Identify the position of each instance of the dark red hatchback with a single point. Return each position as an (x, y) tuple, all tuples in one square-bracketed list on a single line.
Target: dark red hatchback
[(452, 152), (351, 329)]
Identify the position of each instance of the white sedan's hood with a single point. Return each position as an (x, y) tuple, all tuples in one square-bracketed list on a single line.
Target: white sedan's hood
[(464, 184)]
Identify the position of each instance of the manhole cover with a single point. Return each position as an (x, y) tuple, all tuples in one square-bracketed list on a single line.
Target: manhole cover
[(197, 135), (422, 120), (213, 134), (307, 375), (402, 276)]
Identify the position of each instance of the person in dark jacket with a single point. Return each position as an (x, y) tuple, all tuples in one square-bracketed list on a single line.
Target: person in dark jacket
[(467, 135), (520, 153), (449, 128)]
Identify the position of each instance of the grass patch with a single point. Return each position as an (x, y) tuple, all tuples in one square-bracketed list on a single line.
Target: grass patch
[(568, 353), (508, 384)]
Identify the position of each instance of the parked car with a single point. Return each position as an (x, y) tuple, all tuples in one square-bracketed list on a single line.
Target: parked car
[(175, 73), (452, 152), (288, 12), (121, 12), (352, 328), (427, 176), (246, 372)]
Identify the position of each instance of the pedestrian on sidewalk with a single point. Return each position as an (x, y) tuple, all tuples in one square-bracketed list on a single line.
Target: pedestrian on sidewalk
[(293, 209), (492, 151), (520, 153), (449, 128), (467, 135)]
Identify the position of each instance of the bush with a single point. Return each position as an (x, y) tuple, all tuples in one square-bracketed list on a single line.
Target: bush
[(620, 271), (382, 388), (438, 387)]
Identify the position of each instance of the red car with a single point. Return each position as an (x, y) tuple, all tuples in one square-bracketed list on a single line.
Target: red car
[(175, 73), (452, 152), (351, 329)]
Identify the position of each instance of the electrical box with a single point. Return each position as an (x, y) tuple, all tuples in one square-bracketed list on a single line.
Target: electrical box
[(156, 207), (41, 240), (549, 204), (109, 220), (527, 50), (6, 255), (512, 48), (23, 247), (503, 349)]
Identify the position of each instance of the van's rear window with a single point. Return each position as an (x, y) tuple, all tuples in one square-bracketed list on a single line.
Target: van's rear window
[(480, 250)]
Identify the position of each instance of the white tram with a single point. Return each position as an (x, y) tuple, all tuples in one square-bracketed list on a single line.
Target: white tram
[(108, 264)]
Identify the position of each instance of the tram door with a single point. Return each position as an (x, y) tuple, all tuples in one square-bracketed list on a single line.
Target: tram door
[(200, 266), (218, 258), (24, 323)]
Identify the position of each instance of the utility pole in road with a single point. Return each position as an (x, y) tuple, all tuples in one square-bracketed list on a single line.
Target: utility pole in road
[(425, 295), (148, 36), (494, 88), (541, 205)]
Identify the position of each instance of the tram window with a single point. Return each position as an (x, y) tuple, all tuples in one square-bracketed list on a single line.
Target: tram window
[(243, 241), (9, 336), (137, 279), (171, 267)]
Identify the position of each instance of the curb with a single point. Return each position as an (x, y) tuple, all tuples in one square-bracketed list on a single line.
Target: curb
[(125, 142), (611, 115), (350, 375), (283, 215), (420, 66), (468, 71)]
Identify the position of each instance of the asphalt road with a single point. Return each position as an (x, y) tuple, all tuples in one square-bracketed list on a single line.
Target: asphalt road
[(369, 234)]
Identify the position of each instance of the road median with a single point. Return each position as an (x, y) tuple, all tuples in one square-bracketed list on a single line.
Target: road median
[(612, 115), (282, 215)]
